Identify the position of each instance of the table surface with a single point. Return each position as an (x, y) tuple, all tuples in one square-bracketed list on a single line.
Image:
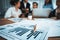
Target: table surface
[(5, 21), (42, 23)]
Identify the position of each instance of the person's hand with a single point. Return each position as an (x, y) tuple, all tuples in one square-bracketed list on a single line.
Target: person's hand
[(23, 16), (23, 9), (34, 28), (12, 17), (27, 10), (58, 10)]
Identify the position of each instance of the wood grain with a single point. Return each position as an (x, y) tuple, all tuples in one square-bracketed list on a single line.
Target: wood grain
[(5, 21)]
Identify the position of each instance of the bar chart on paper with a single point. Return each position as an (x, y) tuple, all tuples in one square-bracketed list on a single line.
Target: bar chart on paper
[(19, 33)]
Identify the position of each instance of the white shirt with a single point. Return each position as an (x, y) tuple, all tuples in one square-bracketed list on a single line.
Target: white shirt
[(12, 12), (25, 4)]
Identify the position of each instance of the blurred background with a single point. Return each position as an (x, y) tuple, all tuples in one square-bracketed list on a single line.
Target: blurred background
[(4, 5)]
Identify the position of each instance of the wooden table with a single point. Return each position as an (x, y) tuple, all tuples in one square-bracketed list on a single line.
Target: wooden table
[(5, 21), (54, 38), (1, 38)]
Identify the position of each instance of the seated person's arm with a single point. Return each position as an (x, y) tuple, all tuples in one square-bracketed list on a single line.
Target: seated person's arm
[(22, 16), (8, 14)]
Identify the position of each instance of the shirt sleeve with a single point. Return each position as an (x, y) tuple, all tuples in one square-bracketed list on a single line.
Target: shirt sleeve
[(20, 12), (8, 13)]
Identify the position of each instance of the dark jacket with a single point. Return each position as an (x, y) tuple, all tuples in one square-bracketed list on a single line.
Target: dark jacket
[(23, 7), (52, 14)]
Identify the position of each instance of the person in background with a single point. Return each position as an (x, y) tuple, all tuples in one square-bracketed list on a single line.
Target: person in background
[(14, 11), (48, 4), (56, 11), (35, 5), (25, 7)]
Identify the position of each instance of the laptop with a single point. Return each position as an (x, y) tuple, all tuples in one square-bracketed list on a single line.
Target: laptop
[(43, 12)]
